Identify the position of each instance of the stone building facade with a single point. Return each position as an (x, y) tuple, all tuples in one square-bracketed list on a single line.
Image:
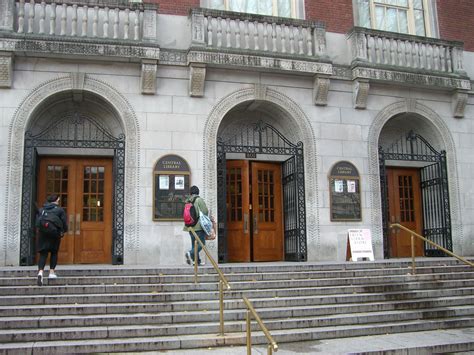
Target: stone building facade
[(296, 130)]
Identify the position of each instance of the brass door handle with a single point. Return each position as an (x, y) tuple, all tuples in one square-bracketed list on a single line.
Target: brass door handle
[(70, 228), (255, 229), (78, 224), (246, 223)]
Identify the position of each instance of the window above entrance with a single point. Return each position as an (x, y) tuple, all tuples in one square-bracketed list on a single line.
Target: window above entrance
[(278, 8), (415, 17)]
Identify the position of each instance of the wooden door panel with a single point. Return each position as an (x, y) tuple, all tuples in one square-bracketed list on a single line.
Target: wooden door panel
[(266, 212), (86, 196), (404, 197), (238, 219)]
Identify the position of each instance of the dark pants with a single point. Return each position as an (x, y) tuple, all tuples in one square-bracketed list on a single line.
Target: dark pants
[(44, 255), (202, 236)]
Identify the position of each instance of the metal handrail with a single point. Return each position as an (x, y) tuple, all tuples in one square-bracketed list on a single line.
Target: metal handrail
[(252, 312), (222, 280), (414, 234)]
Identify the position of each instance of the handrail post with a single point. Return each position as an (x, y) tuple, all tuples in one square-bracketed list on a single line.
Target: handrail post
[(221, 307), (413, 267), (269, 350), (249, 333), (195, 260)]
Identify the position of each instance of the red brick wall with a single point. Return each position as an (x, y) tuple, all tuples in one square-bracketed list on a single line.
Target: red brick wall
[(174, 7), (456, 21), (336, 14)]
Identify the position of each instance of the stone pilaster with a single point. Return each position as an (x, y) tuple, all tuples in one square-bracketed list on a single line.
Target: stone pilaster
[(321, 85), (150, 23), (197, 30), (360, 93), (6, 69), (197, 79), (458, 103), (7, 8), (148, 77)]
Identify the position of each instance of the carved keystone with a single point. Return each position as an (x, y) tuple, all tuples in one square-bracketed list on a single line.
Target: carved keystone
[(321, 85), (197, 79), (458, 103), (6, 69), (148, 77), (360, 93), (77, 80)]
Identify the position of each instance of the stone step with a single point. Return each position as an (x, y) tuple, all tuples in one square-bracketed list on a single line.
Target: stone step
[(231, 294), (150, 307), (93, 320), (212, 340), (155, 330)]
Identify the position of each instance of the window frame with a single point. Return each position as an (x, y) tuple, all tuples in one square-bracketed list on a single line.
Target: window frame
[(296, 6), (429, 16)]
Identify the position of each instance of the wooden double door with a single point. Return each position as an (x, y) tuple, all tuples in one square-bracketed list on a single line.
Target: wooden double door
[(85, 190), (404, 200), (254, 211)]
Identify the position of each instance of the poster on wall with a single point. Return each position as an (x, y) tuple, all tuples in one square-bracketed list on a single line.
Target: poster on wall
[(171, 177), (359, 245), (344, 192)]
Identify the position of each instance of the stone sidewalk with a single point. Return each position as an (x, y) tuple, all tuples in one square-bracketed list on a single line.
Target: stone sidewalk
[(419, 343)]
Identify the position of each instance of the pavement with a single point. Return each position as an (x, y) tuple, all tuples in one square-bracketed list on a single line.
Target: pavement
[(417, 343)]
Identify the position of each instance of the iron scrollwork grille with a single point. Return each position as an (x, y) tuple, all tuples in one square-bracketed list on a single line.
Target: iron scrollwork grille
[(262, 138), (73, 131), (434, 189)]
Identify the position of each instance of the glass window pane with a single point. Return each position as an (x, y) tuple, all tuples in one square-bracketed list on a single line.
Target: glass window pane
[(379, 17), (217, 4), (391, 20), (403, 21), (364, 13), (265, 7), (419, 23), (418, 4), (284, 8), (402, 3)]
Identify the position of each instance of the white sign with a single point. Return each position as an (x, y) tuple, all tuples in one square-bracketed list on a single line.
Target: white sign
[(179, 182), (338, 186), (164, 182), (360, 242), (351, 186)]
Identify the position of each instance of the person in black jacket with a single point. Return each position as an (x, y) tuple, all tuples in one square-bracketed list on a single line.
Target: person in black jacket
[(47, 242)]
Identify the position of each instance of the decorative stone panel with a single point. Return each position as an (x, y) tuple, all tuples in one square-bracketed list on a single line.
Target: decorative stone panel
[(321, 85), (197, 79), (458, 103), (6, 69), (148, 77), (360, 93)]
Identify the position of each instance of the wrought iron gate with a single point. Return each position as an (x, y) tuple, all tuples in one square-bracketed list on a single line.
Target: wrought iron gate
[(434, 189), (262, 138), (73, 131)]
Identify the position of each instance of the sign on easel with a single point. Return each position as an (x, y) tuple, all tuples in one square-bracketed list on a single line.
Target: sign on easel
[(359, 245)]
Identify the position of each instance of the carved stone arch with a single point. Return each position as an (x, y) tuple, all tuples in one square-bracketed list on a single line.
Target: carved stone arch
[(299, 119), (423, 111), (25, 112)]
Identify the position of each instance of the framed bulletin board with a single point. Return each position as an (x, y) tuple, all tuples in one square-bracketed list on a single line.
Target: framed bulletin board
[(171, 177), (344, 192)]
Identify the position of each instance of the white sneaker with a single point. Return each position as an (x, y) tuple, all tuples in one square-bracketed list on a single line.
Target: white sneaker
[(52, 276), (202, 263), (39, 281)]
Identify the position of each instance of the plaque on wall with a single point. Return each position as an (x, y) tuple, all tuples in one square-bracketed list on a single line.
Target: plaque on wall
[(170, 188), (344, 192)]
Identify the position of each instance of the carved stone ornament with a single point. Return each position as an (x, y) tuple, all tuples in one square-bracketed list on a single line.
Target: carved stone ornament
[(148, 77), (77, 86), (458, 103), (360, 93), (259, 61), (197, 79), (6, 69), (320, 90), (410, 78)]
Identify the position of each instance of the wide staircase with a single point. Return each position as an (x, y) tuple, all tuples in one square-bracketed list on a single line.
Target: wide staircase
[(123, 309)]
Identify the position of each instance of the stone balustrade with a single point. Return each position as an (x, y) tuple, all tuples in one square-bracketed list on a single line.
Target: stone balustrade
[(224, 30), (379, 49), (84, 19)]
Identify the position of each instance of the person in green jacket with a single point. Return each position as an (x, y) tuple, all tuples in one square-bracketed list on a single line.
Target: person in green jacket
[(199, 205)]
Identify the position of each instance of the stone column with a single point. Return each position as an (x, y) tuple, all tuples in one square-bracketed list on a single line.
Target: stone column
[(150, 23)]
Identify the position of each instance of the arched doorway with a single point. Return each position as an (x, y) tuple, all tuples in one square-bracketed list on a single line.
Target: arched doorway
[(414, 190), (76, 149), (261, 194)]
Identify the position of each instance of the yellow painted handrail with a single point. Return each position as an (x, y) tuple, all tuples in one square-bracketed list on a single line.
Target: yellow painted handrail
[(251, 311), (222, 280), (414, 234)]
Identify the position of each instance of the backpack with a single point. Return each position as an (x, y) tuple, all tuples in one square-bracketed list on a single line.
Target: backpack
[(190, 216), (49, 223)]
